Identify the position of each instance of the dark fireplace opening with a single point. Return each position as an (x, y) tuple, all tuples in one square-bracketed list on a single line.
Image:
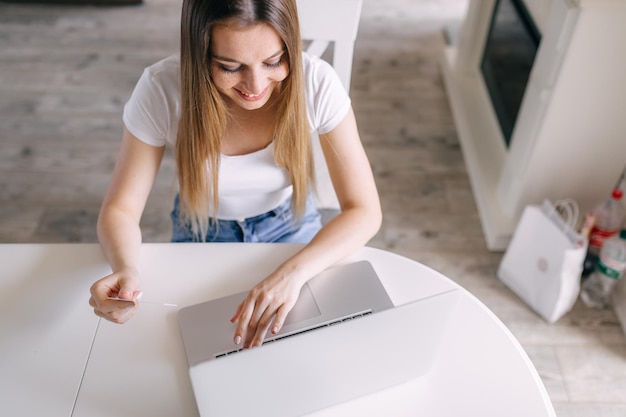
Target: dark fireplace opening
[(508, 57)]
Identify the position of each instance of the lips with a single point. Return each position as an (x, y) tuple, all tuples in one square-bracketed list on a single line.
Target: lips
[(252, 97)]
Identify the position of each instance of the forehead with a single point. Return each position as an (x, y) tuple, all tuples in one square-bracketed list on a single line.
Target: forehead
[(246, 44)]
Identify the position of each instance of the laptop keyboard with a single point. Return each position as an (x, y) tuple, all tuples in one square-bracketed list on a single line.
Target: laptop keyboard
[(284, 336)]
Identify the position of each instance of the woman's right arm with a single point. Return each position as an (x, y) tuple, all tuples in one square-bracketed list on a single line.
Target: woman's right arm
[(119, 233)]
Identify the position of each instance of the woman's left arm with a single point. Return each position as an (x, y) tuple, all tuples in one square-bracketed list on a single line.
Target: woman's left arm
[(269, 302)]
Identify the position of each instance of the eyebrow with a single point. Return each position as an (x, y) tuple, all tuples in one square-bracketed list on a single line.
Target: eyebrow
[(226, 59)]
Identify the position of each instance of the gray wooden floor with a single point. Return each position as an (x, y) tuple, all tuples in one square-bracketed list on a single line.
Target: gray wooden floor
[(65, 73)]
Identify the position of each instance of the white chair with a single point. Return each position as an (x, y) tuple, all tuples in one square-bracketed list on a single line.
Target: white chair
[(322, 23)]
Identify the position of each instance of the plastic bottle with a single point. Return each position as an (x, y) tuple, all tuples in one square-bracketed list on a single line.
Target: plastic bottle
[(609, 219), (596, 290)]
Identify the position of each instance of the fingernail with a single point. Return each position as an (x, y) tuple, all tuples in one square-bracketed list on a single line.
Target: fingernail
[(275, 329), (237, 340)]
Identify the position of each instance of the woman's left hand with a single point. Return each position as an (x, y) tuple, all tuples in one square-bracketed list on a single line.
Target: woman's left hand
[(267, 304)]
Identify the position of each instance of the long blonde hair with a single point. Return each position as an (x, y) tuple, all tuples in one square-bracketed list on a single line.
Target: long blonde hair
[(204, 115)]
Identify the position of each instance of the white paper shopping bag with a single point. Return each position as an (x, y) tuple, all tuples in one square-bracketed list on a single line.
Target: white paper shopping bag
[(543, 262)]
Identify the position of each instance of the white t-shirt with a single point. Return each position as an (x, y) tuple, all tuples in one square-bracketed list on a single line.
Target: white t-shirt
[(250, 184)]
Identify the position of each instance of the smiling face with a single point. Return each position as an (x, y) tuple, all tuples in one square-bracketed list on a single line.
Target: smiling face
[(247, 64)]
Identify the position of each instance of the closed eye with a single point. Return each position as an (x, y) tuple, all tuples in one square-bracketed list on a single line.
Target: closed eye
[(229, 69), (274, 64)]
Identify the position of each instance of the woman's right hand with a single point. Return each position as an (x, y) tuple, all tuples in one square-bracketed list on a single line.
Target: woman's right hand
[(123, 284)]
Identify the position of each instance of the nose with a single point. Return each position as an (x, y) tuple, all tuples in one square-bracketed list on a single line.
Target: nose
[(254, 81)]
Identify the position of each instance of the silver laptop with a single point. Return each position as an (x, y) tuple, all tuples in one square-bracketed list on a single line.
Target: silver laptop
[(342, 340)]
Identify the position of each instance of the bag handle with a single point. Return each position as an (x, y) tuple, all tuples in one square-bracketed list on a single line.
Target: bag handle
[(565, 215), (569, 211)]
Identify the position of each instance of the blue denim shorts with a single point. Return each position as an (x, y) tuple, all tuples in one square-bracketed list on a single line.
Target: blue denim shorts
[(278, 225)]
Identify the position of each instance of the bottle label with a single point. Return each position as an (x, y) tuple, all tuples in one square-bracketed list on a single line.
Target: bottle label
[(610, 268), (599, 235)]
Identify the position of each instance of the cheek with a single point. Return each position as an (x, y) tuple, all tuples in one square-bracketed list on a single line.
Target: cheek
[(222, 81), (281, 73)]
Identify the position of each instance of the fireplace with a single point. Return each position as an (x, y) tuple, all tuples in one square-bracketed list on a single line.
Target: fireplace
[(510, 49), (541, 118)]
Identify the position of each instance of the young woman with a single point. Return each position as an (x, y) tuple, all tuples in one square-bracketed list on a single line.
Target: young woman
[(238, 105)]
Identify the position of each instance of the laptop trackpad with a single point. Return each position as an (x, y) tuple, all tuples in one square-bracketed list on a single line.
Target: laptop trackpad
[(305, 307)]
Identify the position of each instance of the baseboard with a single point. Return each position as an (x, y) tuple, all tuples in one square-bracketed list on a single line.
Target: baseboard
[(77, 2)]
